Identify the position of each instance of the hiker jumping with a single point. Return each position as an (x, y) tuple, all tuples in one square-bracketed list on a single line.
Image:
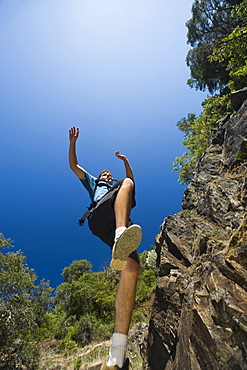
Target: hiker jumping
[(109, 218)]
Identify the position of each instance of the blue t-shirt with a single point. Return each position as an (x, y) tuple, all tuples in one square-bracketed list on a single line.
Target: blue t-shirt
[(95, 193)]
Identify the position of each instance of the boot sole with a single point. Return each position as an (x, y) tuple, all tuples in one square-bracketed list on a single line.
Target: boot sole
[(127, 243)]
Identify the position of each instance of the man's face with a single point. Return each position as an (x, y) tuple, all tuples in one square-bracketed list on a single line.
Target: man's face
[(106, 176)]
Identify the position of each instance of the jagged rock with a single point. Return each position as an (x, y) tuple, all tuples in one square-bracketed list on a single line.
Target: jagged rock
[(238, 97), (199, 315)]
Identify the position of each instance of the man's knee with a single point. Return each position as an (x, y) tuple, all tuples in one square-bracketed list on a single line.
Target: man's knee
[(128, 183), (126, 191)]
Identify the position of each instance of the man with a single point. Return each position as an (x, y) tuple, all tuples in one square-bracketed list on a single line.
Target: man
[(109, 219)]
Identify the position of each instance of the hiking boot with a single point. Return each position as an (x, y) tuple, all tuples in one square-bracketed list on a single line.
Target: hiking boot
[(125, 366), (127, 243)]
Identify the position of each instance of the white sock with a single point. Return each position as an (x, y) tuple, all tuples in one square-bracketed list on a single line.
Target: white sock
[(119, 232), (118, 350)]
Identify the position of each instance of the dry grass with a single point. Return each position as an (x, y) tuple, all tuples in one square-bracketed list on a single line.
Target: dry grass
[(93, 353)]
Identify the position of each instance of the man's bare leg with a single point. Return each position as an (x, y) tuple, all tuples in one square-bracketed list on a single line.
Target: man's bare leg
[(124, 305), (125, 298)]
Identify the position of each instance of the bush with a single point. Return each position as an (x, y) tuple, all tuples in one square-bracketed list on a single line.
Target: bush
[(20, 355)]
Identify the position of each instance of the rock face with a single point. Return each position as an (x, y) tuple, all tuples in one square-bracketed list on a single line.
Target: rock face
[(199, 315)]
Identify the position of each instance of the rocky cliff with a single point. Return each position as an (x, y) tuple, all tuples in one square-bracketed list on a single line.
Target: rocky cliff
[(199, 316)]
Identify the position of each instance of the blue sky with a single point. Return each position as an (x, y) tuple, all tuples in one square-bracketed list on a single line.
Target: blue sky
[(114, 68)]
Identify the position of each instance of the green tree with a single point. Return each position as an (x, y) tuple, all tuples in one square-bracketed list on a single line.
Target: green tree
[(86, 302), (197, 131), (41, 302), (232, 50), (16, 282), (91, 293), (211, 22), (76, 270), (217, 32), (22, 305)]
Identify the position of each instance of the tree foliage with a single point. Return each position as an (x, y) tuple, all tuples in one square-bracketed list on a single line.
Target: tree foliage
[(217, 31), (81, 311), (211, 22), (197, 131), (16, 282), (86, 303), (232, 49), (76, 270), (22, 306)]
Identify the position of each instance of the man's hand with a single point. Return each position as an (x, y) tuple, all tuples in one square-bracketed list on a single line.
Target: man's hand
[(120, 156), (73, 133), (128, 169)]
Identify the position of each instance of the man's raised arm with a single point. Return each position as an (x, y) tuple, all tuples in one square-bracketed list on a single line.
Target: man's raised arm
[(128, 169), (73, 136)]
